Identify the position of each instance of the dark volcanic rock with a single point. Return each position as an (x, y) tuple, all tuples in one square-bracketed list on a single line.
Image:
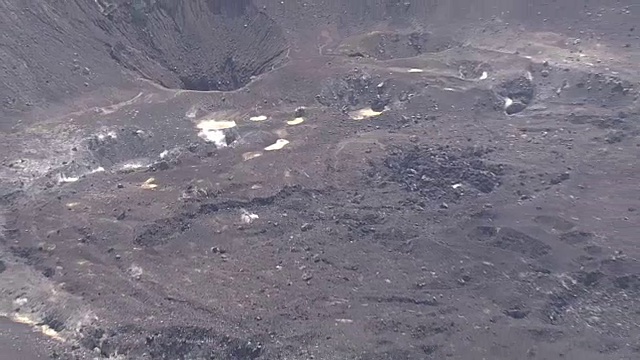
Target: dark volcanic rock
[(440, 229), (170, 343), (438, 173)]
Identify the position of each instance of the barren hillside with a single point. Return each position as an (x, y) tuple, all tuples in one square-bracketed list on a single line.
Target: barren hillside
[(364, 179)]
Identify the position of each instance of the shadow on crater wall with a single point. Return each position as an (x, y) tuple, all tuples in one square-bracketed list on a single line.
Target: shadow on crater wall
[(197, 45)]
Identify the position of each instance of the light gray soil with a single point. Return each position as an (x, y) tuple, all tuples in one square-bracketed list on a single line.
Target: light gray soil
[(461, 181)]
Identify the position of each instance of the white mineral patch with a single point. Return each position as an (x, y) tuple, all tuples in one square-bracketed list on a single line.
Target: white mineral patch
[(213, 131), (135, 271), (248, 217), (415, 71), (214, 136), (21, 301), (529, 76), (107, 135), (279, 144), (507, 102), (63, 179), (133, 166), (99, 169), (191, 113), (484, 75)]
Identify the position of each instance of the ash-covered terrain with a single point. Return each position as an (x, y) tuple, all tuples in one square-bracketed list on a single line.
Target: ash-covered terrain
[(366, 180)]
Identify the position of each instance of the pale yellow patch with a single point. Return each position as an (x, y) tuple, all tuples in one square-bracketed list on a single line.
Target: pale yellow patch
[(258, 118), (364, 114), (150, 184), (44, 329), (209, 125), (279, 144), (251, 155), (296, 121)]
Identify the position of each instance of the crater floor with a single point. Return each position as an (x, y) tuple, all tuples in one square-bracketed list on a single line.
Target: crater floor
[(363, 181)]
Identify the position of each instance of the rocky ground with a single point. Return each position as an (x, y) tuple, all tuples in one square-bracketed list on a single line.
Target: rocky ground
[(320, 180)]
